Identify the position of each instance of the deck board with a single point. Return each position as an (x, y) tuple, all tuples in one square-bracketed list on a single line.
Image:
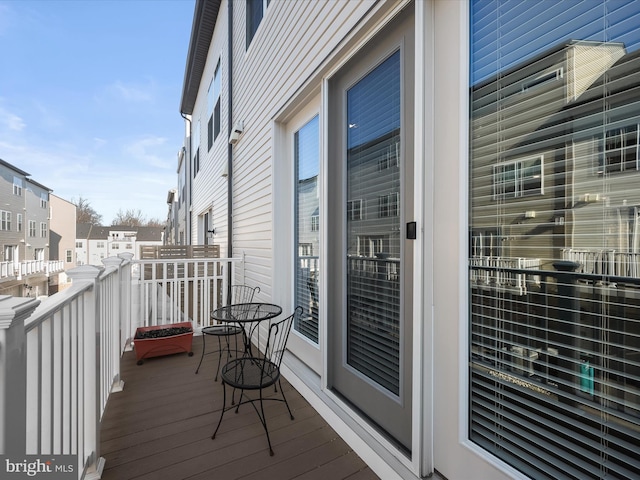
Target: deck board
[(159, 428)]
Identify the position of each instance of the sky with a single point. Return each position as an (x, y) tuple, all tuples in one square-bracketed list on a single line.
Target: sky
[(506, 33), (90, 98)]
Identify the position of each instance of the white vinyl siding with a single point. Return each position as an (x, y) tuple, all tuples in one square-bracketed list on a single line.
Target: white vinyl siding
[(282, 66)]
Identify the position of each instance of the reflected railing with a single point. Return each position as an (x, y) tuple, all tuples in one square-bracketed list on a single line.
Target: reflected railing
[(604, 261), (500, 273), (566, 350)]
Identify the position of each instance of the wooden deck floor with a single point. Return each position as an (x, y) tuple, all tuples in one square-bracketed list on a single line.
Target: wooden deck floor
[(159, 427)]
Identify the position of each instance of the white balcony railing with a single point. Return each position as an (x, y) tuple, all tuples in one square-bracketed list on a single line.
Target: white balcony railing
[(503, 280), (22, 269), (604, 262), (60, 359)]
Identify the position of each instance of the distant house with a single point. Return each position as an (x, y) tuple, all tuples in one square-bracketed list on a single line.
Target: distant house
[(25, 265), (94, 243)]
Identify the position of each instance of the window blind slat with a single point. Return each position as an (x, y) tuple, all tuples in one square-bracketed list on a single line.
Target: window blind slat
[(554, 236)]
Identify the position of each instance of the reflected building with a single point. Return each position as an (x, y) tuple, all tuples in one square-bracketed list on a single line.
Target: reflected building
[(555, 242)]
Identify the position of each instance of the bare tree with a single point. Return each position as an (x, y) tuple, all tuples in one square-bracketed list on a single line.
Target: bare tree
[(85, 213), (154, 222), (130, 218)]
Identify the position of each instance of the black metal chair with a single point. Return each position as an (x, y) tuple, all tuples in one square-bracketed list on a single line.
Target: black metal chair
[(259, 372), (239, 294)]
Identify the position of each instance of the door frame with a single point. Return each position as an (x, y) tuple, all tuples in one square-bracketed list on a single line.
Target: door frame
[(421, 460)]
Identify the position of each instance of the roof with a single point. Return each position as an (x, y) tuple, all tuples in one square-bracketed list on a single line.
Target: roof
[(204, 22), (38, 184), (15, 169), (22, 172), (88, 231)]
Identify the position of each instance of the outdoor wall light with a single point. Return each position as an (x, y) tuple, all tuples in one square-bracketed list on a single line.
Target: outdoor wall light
[(238, 128)]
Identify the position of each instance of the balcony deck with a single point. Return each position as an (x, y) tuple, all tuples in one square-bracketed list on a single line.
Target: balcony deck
[(159, 427)]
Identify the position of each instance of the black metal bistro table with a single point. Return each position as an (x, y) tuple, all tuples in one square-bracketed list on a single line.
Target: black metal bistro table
[(248, 316)]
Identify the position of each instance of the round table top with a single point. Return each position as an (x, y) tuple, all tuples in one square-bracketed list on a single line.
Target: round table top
[(246, 312)]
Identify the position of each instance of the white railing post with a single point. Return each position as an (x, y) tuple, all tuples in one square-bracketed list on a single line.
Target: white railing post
[(13, 373), (126, 296), (114, 330), (94, 464)]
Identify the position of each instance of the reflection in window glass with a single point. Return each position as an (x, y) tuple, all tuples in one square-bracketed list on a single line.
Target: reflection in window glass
[(373, 223), (554, 254), (307, 227)]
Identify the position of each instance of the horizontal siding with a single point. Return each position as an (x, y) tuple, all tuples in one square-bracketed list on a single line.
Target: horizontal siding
[(266, 76), (209, 187)]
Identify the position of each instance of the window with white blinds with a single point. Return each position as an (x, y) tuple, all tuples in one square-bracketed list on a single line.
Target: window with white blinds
[(373, 225), (554, 236), (307, 227)]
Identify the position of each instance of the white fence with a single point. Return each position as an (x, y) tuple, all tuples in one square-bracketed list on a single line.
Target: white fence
[(60, 359)]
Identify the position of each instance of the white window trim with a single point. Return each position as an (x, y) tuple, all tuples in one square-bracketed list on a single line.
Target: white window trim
[(518, 180)]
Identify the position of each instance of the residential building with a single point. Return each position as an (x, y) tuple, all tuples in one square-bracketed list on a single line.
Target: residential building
[(62, 238), (24, 234), (448, 189), (94, 243), (172, 228)]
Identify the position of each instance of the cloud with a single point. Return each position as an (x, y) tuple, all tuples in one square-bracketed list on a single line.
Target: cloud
[(151, 151), (132, 93), (11, 121), (98, 143)]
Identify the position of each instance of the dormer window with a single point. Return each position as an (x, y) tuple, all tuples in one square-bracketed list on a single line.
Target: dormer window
[(17, 186)]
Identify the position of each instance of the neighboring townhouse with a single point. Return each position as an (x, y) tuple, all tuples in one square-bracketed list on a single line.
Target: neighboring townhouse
[(449, 190), (62, 238), (24, 234), (95, 243), (148, 237)]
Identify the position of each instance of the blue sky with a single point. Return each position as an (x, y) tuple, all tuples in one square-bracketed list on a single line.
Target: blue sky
[(508, 32), (90, 98)]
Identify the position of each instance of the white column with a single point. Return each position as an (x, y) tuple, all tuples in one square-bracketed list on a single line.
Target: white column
[(13, 373)]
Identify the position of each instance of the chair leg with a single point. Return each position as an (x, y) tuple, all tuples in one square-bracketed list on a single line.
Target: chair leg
[(224, 404), (219, 359), (263, 419), (285, 400), (201, 356)]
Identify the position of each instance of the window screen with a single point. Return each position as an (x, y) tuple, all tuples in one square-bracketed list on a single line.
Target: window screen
[(554, 227)]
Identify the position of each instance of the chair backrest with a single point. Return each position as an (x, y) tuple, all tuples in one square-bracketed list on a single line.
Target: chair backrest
[(278, 335), (242, 293)]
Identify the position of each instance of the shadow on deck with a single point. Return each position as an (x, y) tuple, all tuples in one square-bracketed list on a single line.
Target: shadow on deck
[(159, 427)]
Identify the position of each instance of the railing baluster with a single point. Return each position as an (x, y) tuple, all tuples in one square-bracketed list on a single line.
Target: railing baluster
[(69, 347)]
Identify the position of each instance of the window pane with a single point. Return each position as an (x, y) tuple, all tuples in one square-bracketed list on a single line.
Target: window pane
[(554, 257), (307, 275), (254, 17), (373, 225)]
